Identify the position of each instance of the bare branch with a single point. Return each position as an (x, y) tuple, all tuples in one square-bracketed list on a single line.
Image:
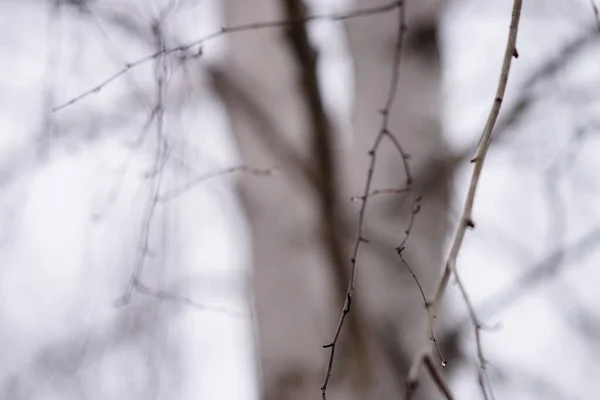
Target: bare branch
[(466, 220), (157, 171), (378, 192), (383, 132), (145, 290), (173, 194), (438, 378), (524, 101), (433, 339), (534, 275), (223, 31)]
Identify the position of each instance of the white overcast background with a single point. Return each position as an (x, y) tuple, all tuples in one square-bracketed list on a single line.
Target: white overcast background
[(71, 214)]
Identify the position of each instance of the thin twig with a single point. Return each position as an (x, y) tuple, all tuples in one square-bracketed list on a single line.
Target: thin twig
[(477, 327), (411, 222), (524, 101), (534, 275), (145, 290), (438, 378), (422, 292), (322, 144), (157, 172), (466, 221), (383, 132), (401, 247), (403, 154), (378, 192), (542, 271), (173, 194), (223, 31), (400, 251)]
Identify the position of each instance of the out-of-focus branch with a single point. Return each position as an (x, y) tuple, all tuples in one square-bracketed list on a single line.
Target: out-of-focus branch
[(223, 31), (156, 175), (596, 14), (540, 272), (437, 376), (378, 192), (238, 97), (175, 193), (466, 220), (384, 133), (142, 289), (439, 170), (322, 144), (241, 100)]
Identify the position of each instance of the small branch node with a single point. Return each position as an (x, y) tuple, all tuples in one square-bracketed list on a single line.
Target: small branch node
[(469, 223)]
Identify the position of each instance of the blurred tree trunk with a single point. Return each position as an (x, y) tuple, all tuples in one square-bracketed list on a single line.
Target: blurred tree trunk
[(301, 262)]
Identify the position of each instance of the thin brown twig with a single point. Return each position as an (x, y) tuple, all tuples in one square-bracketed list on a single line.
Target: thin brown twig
[(485, 384), (524, 101), (533, 276), (540, 272), (240, 98), (438, 378), (404, 155), (433, 339), (379, 192), (477, 328), (401, 247), (466, 221), (372, 153), (411, 222), (400, 251), (164, 295), (224, 31), (175, 193), (160, 160)]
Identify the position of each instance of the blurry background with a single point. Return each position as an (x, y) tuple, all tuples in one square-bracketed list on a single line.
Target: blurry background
[(181, 189)]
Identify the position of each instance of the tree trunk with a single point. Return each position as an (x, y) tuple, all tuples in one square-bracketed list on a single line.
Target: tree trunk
[(301, 263)]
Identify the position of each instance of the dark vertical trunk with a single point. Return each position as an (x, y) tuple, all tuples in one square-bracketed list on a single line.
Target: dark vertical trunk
[(387, 287), (302, 220)]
